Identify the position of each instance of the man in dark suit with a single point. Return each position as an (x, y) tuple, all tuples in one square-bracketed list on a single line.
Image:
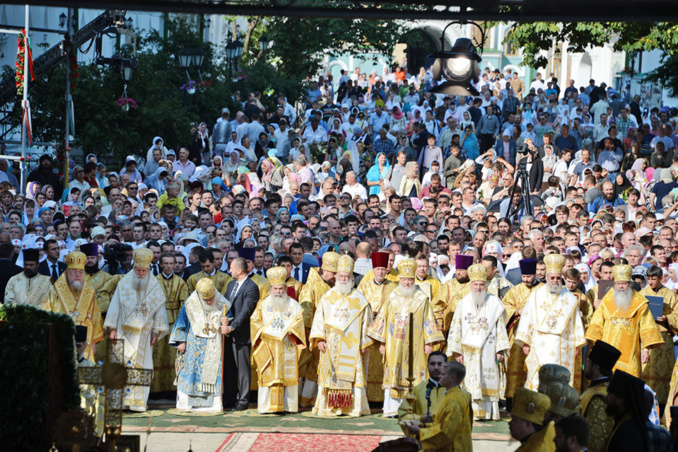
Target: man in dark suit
[(51, 266), (195, 266), (300, 269), (7, 267), (243, 293)]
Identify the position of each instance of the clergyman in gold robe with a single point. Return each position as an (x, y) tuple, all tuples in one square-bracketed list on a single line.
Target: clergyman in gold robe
[(278, 336), (391, 330), (72, 295), (445, 301), (377, 291), (103, 285), (657, 372), (164, 356), (339, 331), (623, 320)]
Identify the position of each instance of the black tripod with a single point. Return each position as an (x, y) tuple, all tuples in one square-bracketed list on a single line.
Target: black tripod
[(523, 179)]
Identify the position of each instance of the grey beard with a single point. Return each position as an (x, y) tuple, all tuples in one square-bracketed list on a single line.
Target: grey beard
[(76, 286), (479, 298), (622, 298), (408, 293), (554, 288), (344, 287), (278, 302), (140, 285)]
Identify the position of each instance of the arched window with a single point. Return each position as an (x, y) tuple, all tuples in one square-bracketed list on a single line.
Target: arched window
[(510, 48)]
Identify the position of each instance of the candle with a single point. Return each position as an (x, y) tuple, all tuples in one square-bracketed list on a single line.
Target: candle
[(411, 366)]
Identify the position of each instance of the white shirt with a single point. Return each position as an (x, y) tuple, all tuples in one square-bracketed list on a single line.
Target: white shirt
[(356, 190)]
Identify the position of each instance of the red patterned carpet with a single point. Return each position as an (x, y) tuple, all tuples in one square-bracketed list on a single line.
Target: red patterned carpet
[(295, 442)]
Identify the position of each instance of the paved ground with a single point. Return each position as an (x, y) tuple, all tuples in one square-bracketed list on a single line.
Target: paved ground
[(211, 442), (173, 431)]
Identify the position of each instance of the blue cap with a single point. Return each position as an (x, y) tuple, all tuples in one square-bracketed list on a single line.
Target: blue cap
[(246, 253)]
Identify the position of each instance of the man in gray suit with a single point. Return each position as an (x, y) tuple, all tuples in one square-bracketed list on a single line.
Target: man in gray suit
[(243, 294)]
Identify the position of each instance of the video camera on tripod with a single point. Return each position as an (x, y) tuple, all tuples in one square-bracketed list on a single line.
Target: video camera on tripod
[(522, 182)]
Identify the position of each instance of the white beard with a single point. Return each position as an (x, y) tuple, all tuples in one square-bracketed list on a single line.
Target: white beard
[(408, 293), (278, 302), (76, 286), (554, 288), (479, 298), (344, 287), (208, 307), (622, 299), (140, 284)]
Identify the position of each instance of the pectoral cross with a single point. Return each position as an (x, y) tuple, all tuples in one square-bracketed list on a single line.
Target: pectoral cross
[(208, 328), (115, 378)]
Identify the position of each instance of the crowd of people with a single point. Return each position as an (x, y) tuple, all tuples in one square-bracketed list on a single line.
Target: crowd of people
[(381, 236)]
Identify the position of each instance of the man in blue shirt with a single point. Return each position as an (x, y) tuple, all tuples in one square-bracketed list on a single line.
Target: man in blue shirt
[(565, 140), (608, 198)]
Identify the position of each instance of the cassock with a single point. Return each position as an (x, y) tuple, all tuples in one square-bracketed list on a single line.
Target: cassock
[(552, 326), (593, 405), (377, 295), (219, 278), (420, 402), (629, 332), (478, 334), (104, 286), (84, 311), (164, 356), (278, 336), (309, 298), (429, 285), (657, 372), (24, 290), (342, 322), (199, 368), (445, 302), (514, 302), (451, 428), (264, 289), (391, 328), (135, 316)]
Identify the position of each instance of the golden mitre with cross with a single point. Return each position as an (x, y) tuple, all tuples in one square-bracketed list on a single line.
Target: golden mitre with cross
[(277, 276), (407, 268), (622, 273), (477, 272), (76, 260)]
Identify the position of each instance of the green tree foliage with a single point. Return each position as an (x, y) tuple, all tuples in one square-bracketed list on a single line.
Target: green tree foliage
[(103, 128), (537, 36), (302, 43)]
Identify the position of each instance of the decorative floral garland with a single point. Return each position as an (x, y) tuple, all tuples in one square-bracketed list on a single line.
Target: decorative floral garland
[(20, 62)]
